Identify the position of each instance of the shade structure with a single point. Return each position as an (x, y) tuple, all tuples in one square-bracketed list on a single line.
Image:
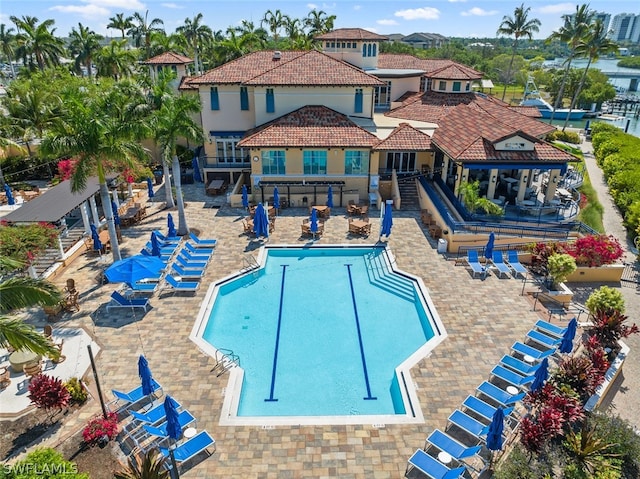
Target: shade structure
[(566, 346), (261, 222), (488, 249), (197, 177), (387, 221), (174, 431), (116, 216), (330, 197), (145, 376), (171, 227), (134, 268), (10, 199), (276, 198), (541, 375), (313, 222), (155, 245), (245, 197), (150, 188), (494, 436)]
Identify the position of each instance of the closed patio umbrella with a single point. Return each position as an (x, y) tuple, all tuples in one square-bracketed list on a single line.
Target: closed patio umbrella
[(488, 249), (97, 244), (245, 197), (150, 188), (541, 375), (566, 346), (171, 227), (197, 177), (276, 198), (174, 431), (155, 245), (261, 222), (10, 199), (313, 223), (494, 436), (145, 376), (116, 216), (387, 221), (330, 197)]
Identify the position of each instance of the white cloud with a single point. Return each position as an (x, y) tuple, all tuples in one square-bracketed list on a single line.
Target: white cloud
[(478, 12), (357, 7), (312, 6), (370, 29), (424, 13), (85, 11), (123, 4), (171, 5), (386, 22), (558, 8)]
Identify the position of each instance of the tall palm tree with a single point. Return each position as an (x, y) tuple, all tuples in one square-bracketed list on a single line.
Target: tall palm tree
[(195, 33), (318, 22), (120, 22), (594, 44), (7, 45), (84, 44), (572, 32), (293, 28), (231, 47), (275, 21), (116, 60), (253, 38), (101, 141), (38, 42), (174, 119), (142, 29), (519, 26)]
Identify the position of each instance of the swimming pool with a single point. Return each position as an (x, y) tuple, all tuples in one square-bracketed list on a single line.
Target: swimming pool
[(323, 335)]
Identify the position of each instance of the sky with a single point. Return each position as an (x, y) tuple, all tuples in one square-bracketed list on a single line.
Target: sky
[(452, 18)]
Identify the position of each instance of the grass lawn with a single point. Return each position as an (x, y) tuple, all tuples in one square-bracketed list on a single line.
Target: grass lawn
[(591, 213)]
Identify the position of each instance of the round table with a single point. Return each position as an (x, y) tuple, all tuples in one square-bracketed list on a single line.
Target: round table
[(18, 359), (512, 390), (189, 432), (444, 457), (529, 359)]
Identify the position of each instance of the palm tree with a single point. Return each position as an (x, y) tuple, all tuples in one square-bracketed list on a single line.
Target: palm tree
[(594, 44), (175, 119), (195, 33), (38, 41), (120, 22), (275, 21), (24, 292), (293, 27), (148, 465), (84, 43), (141, 31), (101, 140), (254, 38), (519, 26), (232, 47), (572, 32), (318, 22), (116, 60), (7, 44), (470, 195)]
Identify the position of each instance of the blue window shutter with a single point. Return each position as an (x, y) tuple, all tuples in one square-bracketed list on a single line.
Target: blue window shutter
[(215, 102), (364, 50), (358, 105), (375, 48), (244, 98), (271, 106)]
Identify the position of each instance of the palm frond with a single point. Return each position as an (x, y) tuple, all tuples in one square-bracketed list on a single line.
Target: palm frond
[(18, 293), (22, 336)]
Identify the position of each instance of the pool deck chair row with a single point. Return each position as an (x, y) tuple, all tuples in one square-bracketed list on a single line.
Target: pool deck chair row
[(474, 263), (458, 451), (133, 397), (189, 449), (499, 264), (422, 465)]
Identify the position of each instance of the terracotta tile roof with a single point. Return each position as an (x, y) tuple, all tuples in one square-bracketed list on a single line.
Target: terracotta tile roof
[(455, 71), (405, 61), (314, 68), (468, 134), (313, 126), (512, 116), (168, 58), (185, 84), (405, 137), (530, 111), (350, 34)]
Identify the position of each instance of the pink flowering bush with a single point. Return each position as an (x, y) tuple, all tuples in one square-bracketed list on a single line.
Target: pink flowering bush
[(99, 427), (595, 250)]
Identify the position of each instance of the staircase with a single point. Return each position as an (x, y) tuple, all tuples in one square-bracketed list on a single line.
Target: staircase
[(52, 255), (409, 194), (380, 276)]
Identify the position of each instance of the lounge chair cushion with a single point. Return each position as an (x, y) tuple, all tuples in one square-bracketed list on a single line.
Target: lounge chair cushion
[(432, 468), (192, 447)]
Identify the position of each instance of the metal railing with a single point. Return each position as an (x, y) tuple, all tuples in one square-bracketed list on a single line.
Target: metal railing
[(238, 162)]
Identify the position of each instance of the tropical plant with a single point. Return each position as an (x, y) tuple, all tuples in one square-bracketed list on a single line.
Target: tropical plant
[(608, 327), (142, 30), (519, 26), (578, 373), (84, 44), (100, 430), (559, 266), (590, 453), (605, 300), (115, 60), (318, 22), (470, 194), (144, 465), (275, 21), (37, 44), (195, 32), (253, 38), (626, 442), (22, 242), (76, 389), (44, 462), (7, 46), (47, 392), (120, 22), (596, 250)]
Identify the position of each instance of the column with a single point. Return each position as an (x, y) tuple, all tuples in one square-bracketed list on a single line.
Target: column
[(130, 190), (60, 247), (116, 200), (554, 177), (493, 182), (94, 211), (84, 211), (445, 169), (522, 184)]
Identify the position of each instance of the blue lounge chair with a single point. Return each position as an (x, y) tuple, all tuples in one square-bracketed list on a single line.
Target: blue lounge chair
[(202, 243), (144, 287), (198, 251), (521, 367), (499, 264), (515, 265), (185, 263), (549, 328), (482, 408), (191, 448), (153, 416), (187, 273), (164, 257), (431, 467), (176, 285), (511, 377), (526, 350), (166, 250), (474, 262), (119, 301), (542, 339), (468, 424), (166, 240), (499, 395), (184, 419), (446, 443), (185, 253), (135, 395)]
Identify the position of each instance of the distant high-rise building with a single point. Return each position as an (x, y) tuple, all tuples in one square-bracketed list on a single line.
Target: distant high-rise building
[(605, 18), (625, 27)]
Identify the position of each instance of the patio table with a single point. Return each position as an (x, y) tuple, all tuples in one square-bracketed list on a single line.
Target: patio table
[(18, 359)]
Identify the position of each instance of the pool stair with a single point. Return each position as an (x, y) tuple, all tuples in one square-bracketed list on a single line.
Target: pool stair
[(225, 360), (380, 276), (249, 263)]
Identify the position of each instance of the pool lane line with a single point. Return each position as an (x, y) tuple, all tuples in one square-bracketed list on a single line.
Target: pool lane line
[(368, 397), (275, 352)]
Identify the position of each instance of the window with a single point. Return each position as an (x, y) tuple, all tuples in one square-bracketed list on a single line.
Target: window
[(273, 162), (215, 101), (327, 45), (401, 161), (333, 44), (456, 86), (244, 98), (369, 50), (467, 86), (358, 105), (382, 97), (356, 162), (364, 50), (315, 162), (271, 104), (375, 47), (344, 45), (228, 152), (442, 85)]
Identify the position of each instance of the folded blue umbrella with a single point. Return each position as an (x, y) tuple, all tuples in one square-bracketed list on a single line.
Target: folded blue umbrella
[(245, 197), (540, 376), (171, 227), (261, 222), (488, 249), (566, 346), (313, 223), (150, 188), (145, 376), (7, 191), (155, 246), (97, 244), (116, 216), (330, 197), (494, 435), (387, 221), (174, 430), (197, 177)]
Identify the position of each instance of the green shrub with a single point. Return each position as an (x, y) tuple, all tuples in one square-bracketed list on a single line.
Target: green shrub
[(605, 299), (77, 390), (517, 465), (566, 136), (44, 463), (615, 430), (560, 266)]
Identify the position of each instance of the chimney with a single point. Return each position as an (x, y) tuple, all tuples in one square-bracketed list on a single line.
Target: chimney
[(276, 55)]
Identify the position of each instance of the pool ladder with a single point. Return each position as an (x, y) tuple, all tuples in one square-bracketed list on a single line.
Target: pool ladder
[(250, 263), (225, 360)]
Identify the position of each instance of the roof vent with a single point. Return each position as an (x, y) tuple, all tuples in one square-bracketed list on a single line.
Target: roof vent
[(277, 55)]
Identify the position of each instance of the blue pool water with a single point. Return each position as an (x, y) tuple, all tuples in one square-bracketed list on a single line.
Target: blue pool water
[(319, 332)]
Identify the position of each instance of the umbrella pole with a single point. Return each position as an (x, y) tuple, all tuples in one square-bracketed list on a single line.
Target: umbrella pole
[(174, 467), (95, 376)]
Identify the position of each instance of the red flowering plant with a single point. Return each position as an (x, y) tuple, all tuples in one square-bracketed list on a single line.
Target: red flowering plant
[(99, 428), (66, 168), (608, 328), (128, 175), (540, 253), (46, 392), (595, 250)]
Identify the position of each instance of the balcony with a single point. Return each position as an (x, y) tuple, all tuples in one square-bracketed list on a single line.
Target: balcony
[(238, 162)]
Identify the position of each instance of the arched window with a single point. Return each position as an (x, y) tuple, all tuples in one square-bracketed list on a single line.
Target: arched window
[(375, 47), (364, 50), (369, 50)]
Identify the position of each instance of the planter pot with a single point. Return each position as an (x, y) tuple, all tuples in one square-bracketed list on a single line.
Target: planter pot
[(610, 273), (609, 378), (562, 294)]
